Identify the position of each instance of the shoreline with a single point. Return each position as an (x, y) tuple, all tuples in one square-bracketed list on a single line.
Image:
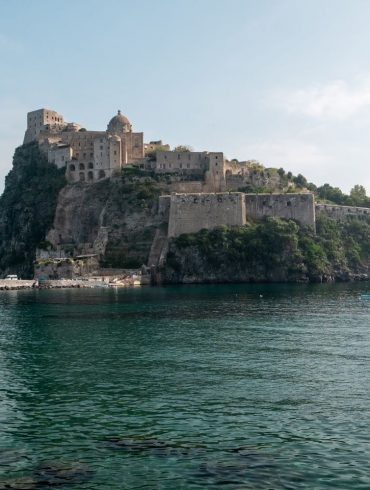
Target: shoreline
[(21, 284), (25, 284)]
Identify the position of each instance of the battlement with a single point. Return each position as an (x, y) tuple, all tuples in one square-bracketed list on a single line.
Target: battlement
[(341, 212)]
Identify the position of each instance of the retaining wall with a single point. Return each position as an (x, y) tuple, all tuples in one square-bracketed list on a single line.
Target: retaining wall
[(341, 212), (190, 213), (299, 207)]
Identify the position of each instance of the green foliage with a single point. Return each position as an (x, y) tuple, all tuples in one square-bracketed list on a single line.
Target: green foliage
[(276, 245), (334, 195), (300, 181), (27, 207), (152, 154), (183, 148)]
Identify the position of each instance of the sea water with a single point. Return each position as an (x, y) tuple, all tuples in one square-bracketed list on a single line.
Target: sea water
[(186, 387)]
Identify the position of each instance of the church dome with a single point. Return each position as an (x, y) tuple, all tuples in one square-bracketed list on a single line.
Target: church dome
[(119, 124)]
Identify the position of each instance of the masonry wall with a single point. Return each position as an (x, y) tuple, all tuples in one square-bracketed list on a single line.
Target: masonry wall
[(341, 212), (299, 207), (190, 213), (181, 161)]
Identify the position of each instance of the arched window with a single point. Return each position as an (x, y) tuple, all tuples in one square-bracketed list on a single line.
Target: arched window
[(82, 177), (90, 175), (72, 168), (82, 166), (91, 165), (101, 174)]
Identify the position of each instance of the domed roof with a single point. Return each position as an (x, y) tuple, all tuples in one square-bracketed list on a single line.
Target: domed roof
[(119, 124)]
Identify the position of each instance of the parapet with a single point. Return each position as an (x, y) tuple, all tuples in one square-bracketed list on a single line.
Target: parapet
[(299, 207), (341, 212)]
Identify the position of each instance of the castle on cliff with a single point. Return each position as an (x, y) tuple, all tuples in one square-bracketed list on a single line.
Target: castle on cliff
[(90, 156), (206, 189)]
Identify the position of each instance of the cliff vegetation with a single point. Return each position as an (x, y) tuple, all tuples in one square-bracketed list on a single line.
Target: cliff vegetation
[(27, 208), (274, 250)]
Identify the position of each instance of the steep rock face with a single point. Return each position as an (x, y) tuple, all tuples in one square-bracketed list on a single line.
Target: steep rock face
[(79, 216), (116, 219), (27, 208)]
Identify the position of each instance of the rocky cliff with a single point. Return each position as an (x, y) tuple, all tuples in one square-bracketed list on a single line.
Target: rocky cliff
[(27, 209), (116, 219)]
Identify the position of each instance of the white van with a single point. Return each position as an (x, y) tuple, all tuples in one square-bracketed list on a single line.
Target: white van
[(12, 277)]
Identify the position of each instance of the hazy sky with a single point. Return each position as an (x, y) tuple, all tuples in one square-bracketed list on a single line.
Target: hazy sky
[(286, 82)]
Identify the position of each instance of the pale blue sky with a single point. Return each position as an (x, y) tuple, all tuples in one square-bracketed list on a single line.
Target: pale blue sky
[(286, 82)]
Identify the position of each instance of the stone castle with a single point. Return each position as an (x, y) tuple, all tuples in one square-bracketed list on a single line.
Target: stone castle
[(204, 187)]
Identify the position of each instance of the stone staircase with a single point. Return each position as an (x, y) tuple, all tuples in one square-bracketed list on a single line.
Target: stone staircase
[(159, 248)]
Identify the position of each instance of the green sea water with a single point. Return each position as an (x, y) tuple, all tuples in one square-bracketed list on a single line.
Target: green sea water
[(187, 387)]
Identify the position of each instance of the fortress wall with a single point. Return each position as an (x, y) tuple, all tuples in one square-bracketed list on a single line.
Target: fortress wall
[(164, 207), (190, 213), (341, 212), (299, 207)]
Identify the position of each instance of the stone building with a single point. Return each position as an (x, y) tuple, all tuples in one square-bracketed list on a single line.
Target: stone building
[(87, 155), (38, 121), (210, 166)]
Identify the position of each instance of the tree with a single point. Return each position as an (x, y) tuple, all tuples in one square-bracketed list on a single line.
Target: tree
[(333, 194), (358, 192), (183, 148), (300, 180)]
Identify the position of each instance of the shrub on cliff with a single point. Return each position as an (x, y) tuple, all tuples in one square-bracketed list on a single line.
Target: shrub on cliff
[(272, 250), (27, 208)]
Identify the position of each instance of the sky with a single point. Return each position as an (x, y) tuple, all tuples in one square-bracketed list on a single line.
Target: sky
[(285, 82)]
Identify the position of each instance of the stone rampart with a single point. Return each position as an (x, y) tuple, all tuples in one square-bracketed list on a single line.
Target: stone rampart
[(299, 207), (190, 213), (341, 212)]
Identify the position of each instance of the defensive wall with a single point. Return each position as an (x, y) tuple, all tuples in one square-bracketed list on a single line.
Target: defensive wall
[(341, 212), (299, 207), (190, 213)]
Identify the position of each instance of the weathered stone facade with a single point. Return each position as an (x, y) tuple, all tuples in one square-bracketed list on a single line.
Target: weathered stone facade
[(341, 212), (299, 207), (190, 213), (88, 156)]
